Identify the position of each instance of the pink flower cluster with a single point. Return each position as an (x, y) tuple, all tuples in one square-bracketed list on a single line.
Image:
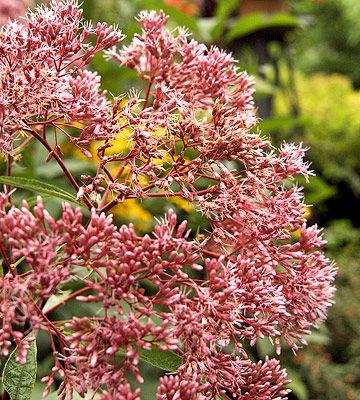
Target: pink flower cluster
[(42, 73), (191, 136)]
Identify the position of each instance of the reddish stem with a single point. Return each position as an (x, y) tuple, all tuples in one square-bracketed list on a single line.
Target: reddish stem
[(147, 96), (149, 195), (46, 122), (59, 334), (115, 178), (65, 169), (6, 260), (71, 296)]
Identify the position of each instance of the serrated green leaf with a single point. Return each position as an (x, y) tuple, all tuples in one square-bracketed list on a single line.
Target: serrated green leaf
[(19, 379), (38, 187), (251, 23)]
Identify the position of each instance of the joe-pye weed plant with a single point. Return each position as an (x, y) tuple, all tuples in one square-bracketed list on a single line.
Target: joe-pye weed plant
[(191, 135)]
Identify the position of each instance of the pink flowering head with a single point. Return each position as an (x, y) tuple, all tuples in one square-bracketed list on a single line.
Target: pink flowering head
[(198, 75), (258, 272), (43, 73)]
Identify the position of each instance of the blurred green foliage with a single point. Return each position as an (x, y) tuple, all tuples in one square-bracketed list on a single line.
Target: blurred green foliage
[(328, 121), (332, 132), (330, 41), (329, 368)]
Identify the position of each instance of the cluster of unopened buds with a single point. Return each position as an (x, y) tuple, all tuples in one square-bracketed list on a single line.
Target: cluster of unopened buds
[(191, 134)]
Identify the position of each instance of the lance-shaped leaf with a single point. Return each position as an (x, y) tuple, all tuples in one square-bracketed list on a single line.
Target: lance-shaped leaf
[(164, 359), (38, 187), (251, 23), (223, 11), (55, 300), (19, 379)]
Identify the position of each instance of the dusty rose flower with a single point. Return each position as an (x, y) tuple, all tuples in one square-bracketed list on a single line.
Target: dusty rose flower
[(48, 77), (172, 387), (191, 136)]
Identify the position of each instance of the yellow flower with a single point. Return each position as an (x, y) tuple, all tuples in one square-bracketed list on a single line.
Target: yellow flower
[(306, 214), (131, 211), (183, 204)]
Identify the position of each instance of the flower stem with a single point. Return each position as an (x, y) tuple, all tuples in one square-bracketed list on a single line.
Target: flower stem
[(62, 165), (71, 296)]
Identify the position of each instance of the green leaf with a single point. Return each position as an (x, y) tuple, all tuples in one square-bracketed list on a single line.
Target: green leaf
[(281, 124), (297, 386), (223, 11), (263, 87), (38, 187), (164, 359), (32, 201), (206, 27), (38, 390), (251, 23), (56, 299), (318, 190), (224, 8), (19, 379)]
